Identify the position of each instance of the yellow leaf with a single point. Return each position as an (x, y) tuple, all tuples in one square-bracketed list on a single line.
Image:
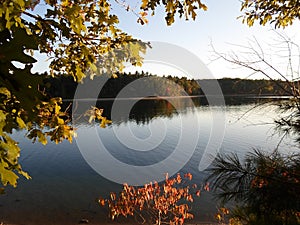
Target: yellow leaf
[(144, 4), (57, 108), (25, 174), (79, 74), (60, 121), (92, 118), (7, 176), (21, 123), (93, 67), (42, 138)]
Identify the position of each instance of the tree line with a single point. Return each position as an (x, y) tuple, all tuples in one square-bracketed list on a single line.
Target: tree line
[(65, 87)]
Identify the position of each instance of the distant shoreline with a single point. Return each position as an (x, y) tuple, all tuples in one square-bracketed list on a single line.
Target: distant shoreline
[(178, 97)]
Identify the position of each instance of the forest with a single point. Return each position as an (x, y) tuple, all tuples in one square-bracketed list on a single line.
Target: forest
[(65, 87)]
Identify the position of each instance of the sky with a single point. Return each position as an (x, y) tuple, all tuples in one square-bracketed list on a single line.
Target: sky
[(218, 26)]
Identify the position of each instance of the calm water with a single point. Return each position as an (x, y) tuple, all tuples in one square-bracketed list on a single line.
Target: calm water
[(64, 187)]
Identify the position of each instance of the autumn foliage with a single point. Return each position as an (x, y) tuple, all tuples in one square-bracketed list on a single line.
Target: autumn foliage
[(157, 203)]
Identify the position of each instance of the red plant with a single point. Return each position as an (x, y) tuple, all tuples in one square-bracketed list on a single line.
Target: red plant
[(165, 203)]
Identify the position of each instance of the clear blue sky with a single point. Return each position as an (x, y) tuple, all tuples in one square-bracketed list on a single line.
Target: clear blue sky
[(218, 25)]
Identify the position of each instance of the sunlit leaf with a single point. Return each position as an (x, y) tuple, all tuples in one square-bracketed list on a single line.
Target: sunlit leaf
[(7, 176), (21, 123), (42, 138)]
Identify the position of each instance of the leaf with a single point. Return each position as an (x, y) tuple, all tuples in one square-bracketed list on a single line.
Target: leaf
[(104, 122), (13, 151), (60, 121), (113, 196), (5, 91), (93, 67), (41, 137), (101, 201), (2, 115), (170, 19), (144, 4), (7, 176), (92, 118), (7, 18), (204, 7), (21, 40), (21, 123), (169, 6), (21, 3), (79, 74), (57, 108), (25, 174)]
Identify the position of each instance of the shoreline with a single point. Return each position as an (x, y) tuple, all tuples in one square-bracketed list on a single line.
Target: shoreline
[(181, 96)]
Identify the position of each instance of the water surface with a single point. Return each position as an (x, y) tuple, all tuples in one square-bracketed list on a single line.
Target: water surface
[(64, 188)]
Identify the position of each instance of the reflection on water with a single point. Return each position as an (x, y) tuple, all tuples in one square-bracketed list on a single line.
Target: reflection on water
[(144, 110), (140, 111), (64, 187)]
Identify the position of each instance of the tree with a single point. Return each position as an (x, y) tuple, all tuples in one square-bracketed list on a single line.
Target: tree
[(280, 12), (265, 187), (256, 59), (165, 203)]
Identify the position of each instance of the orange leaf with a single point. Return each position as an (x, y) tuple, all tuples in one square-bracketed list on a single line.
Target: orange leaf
[(113, 196), (189, 176), (206, 187), (178, 178), (101, 201)]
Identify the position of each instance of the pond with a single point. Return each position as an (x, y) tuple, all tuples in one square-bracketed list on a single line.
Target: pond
[(146, 139)]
